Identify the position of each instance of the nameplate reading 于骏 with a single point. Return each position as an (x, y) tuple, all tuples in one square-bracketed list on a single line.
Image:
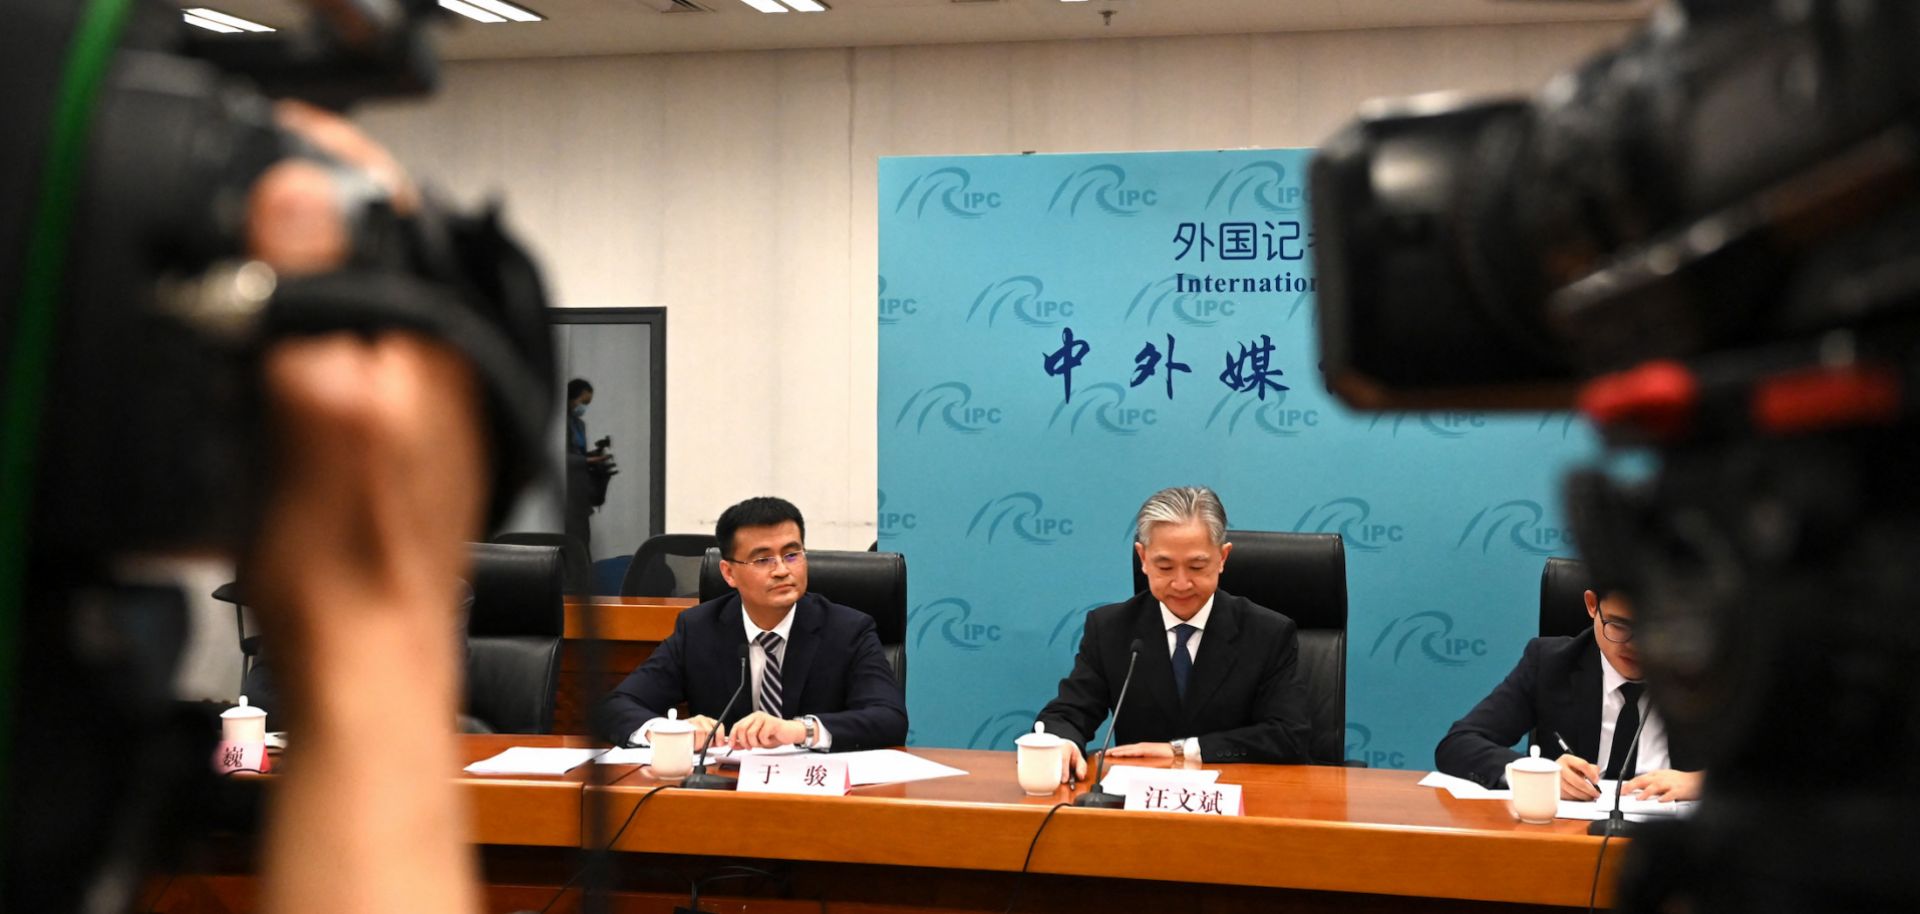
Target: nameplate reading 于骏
[(821, 775)]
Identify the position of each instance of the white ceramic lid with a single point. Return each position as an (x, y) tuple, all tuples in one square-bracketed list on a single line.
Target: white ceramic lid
[(242, 711), (1534, 764), (672, 724), (1039, 738)]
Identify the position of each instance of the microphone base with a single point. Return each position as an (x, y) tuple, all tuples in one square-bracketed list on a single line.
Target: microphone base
[(1615, 825), (1100, 799), (701, 780)]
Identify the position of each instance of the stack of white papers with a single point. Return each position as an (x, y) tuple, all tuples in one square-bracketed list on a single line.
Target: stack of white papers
[(534, 760), (1463, 789), (1634, 808), (1123, 779)]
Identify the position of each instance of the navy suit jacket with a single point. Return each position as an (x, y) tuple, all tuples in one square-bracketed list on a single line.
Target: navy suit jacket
[(1244, 697), (1554, 689), (833, 669)]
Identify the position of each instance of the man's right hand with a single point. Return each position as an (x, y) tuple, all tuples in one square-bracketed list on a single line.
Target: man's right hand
[(1578, 778), (1073, 765)]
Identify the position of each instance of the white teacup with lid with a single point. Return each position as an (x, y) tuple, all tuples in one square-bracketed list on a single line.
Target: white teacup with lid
[(243, 739), (1536, 788), (672, 740), (1040, 759)]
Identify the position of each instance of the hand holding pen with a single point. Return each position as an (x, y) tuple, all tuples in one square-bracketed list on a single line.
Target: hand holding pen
[(1579, 778)]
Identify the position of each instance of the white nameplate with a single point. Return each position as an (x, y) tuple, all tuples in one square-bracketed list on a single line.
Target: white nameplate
[(1186, 797), (812, 773)]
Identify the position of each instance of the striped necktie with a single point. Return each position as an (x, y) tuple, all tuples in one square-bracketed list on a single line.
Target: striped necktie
[(770, 674)]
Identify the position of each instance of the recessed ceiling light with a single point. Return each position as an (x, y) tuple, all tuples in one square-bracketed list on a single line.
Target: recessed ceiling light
[(765, 6), (806, 6), (492, 11), (216, 21)]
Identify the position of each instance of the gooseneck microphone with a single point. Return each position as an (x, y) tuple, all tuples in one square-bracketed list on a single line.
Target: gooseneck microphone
[(1097, 797), (1616, 822), (700, 779)]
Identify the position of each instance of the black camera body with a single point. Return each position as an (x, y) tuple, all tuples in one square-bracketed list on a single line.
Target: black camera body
[(135, 322), (1709, 241)]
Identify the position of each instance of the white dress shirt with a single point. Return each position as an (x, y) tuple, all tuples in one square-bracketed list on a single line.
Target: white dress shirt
[(1652, 753), (1199, 621), (757, 667)]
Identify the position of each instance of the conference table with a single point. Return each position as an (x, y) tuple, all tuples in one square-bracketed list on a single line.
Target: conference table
[(1312, 838)]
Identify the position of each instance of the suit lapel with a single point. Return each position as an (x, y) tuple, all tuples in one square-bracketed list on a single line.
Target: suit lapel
[(730, 632), (1586, 704), (803, 644), (1215, 659), (1154, 674)]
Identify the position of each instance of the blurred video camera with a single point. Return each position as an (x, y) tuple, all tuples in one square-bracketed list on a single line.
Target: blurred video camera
[(1709, 241), (135, 320)]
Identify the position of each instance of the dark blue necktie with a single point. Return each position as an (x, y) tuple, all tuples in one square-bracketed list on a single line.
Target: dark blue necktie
[(1182, 660)]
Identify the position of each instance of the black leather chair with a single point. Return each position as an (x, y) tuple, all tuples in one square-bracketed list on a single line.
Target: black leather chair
[(513, 637), (1304, 576), (1563, 602), (576, 565), (873, 582), (667, 565)]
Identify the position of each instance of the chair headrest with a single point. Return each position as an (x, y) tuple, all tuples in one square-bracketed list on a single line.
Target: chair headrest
[(516, 591), (1563, 602), (873, 582), (1302, 575)]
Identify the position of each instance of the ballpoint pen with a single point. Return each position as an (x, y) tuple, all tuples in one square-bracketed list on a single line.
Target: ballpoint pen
[(1564, 748)]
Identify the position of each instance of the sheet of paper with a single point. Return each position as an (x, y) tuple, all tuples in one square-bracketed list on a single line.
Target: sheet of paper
[(534, 760), (891, 766), (1634, 808), (1121, 779), (731, 759), (1463, 789), (637, 755)]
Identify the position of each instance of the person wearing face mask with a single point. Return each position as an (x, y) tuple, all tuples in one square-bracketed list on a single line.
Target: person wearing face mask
[(586, 479)]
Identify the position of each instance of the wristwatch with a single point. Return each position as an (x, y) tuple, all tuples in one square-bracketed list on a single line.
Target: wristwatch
[(813, 730), (1179, 751)]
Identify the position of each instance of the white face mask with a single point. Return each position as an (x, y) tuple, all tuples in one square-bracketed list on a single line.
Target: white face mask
[(579, 410)]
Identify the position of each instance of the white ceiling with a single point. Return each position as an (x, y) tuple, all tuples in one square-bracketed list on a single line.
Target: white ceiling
[(593, 27)]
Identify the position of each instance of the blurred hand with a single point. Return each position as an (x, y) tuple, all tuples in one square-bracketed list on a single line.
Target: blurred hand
[(1666, 785), (1578, 778), (761, 730), (1142, 750)]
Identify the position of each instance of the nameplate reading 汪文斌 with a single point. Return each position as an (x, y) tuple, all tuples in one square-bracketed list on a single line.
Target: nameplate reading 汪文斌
[(821, 775), (1186, 797)]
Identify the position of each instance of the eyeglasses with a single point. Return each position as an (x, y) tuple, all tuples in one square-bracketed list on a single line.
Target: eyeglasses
[(1616, 631), (766, 562)]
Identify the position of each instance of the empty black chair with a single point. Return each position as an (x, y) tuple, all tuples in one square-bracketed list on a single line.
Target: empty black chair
[(873, 582), (1563, 602), (1303, 576), (667, 565), (513, 637), (576, 569)]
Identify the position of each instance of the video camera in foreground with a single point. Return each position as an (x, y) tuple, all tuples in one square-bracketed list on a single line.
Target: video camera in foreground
[(1709, 241), (134, 316)]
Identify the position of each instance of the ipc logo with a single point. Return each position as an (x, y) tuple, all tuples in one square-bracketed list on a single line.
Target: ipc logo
[(1519, 523), (894, 523), (1029, 300), (1359, 748), (1260, 185), (1104, 186), (1432, 633), (952, 189), (1021, 514), (1556, 423), (1271, 415), (1104, 407), (1451, 425), (953, 617), (952, 401), (1192, 309), (1352, 519), (1000, 730), (895, 308)]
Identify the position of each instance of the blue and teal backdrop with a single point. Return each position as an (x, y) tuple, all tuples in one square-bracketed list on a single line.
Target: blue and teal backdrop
[(1062, 335)]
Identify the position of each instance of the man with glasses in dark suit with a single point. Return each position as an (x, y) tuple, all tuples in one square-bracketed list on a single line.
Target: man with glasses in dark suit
[(1579, 699), (817, 675)]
